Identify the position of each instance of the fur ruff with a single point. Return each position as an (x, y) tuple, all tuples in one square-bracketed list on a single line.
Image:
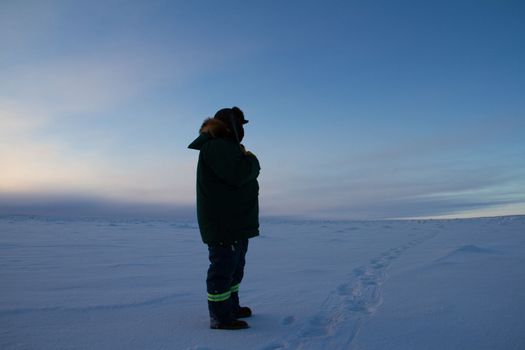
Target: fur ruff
[(216, 128)]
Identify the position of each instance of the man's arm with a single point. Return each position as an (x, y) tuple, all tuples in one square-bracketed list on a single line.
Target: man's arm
[(229, 163)]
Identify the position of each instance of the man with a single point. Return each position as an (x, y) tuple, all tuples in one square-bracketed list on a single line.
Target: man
[(227, 211)]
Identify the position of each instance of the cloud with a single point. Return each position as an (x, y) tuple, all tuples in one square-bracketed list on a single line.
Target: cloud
[(377, 195), (38, 154), (391, 202), (75, 205), (33, 161), (47, 166), (71, 74), (438, 175)]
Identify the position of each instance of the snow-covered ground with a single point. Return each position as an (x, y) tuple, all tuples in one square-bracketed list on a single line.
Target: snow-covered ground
[(125, 284)]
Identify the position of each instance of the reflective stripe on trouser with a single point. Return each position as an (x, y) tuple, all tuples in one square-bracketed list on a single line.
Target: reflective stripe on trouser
[(235, 288), (219, 297), (224, 296)]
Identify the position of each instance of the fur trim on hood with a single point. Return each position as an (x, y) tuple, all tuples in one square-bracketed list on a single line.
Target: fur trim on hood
[(216, 128)]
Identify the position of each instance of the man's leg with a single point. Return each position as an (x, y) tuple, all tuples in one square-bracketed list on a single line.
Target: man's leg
[(242, 247), (223, 263)]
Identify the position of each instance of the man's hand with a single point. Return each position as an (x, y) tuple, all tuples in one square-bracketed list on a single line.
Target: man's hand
[(243, 149)]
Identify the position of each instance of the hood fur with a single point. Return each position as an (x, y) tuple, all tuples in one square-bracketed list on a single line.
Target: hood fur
[(216, 128)]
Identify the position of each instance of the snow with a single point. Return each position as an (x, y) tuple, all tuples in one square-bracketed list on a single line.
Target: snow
[(140, 284)]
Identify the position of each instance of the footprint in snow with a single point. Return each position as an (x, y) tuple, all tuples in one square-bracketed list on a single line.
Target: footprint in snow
[(288, 320), (345, 309)]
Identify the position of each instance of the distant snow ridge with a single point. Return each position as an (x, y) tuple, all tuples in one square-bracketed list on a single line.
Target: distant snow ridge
[(463, 253), (342, 313)]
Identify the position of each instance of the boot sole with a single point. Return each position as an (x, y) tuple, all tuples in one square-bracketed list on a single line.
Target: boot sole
[(228, 328)]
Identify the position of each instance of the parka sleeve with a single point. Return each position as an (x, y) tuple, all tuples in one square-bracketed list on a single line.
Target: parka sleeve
[(229, 164)]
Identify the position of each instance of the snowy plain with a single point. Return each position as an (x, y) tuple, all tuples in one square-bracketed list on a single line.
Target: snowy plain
[(140, 284)]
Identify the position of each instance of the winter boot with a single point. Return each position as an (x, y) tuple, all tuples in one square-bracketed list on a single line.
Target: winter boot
[(233, 325), (243, 312), (239, 311)]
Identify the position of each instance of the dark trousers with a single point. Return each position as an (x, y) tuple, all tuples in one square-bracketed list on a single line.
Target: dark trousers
[(225, 274)]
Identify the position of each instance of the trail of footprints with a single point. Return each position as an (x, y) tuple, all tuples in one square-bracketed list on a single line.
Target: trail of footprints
[(342, 313)]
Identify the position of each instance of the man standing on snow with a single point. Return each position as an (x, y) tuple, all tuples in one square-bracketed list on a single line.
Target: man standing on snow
[(227, 211)]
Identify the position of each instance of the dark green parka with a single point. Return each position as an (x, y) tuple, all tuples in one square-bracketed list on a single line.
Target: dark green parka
[(227, 187)]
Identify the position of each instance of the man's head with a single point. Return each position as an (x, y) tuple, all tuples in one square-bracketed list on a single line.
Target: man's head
[(234, 118)]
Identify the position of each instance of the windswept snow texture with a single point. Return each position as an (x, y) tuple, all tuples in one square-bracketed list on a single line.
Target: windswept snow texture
[(114, 284)]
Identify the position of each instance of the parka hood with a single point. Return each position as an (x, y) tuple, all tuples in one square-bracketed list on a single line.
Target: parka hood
[(211, 128)]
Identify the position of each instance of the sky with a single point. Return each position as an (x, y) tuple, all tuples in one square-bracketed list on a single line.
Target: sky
[(358, 109)]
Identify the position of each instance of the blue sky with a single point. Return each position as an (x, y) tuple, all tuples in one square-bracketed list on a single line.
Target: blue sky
[(358, 109)]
